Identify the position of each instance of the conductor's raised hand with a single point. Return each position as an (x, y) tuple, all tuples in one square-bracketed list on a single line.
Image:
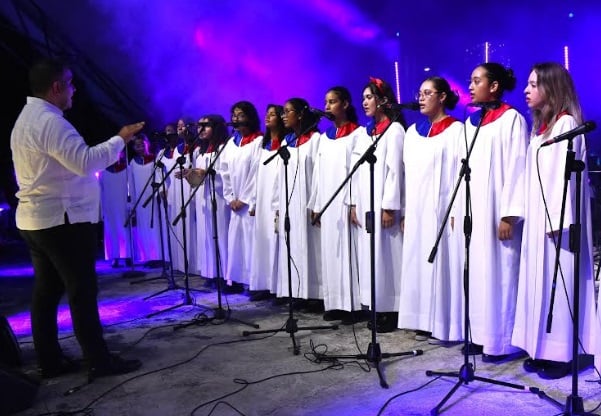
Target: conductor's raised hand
[(127, 132)]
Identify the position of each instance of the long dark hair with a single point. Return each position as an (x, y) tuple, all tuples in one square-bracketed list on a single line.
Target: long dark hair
[(281, 129), (384, 93), (344, 95), (220, 133), (250, 112), (307, 118)]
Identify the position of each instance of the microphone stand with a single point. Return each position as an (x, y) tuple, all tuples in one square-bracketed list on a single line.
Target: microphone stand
[(291, 327), (131, 213), (219, 312), (374, 353), (171, 285), (466, 373), (187, 298), (574, 403)]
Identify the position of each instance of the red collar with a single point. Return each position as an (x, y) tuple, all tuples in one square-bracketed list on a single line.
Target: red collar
[(346, 129), (381, 126), (248, 139), (441, 126), (492, 115), (304, 138), (543, 127)]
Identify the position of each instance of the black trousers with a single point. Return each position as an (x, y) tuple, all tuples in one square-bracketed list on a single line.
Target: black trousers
[(64, 261)]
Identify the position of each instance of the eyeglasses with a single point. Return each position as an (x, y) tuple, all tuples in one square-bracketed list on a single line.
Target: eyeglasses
[(425, 94), (286, 111)]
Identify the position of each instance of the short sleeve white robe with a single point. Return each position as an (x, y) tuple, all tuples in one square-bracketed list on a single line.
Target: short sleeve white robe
[(388, 192), (263, 272), (431, 294), (239, 182), (304, 238), (147, 243), (338, 266), (538, 254), (497, 167), (205, 236)]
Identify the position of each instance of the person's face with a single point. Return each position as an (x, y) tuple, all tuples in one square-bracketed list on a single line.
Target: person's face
[(334, 105), (430, 100), (139, 147), (169, 129), (64, 90), (290, 117), (370, 102), (481, 90), (534, 96), (238, 116), (205, 131), (181, 127), (271, 118)]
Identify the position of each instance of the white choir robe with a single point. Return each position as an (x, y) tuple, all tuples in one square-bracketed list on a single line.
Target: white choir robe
[(239, 182), (175, 203), (205, 235), (305, 245), (538, 255), (113, 193), (388, 194), (146, 239), (169, 242), (431, 294), (497, 167), (263, 270), (338, 267)]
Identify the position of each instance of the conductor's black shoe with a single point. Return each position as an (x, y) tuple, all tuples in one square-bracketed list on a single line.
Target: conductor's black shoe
[(114, 365), (472, 349), (129, 262), (64, 365), (553, 370)]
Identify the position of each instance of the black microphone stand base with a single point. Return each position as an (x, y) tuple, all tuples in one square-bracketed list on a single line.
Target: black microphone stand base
[(466, 375), (187, 301), (574, 405), (220, 314), (291, 328)]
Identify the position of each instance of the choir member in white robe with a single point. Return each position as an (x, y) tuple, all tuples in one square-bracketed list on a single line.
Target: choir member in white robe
[(212, 247), (388, 202), (497, 167), (551, 96), (338, 238), (146, 237), (165, 159), (304, 238), (431, 294), (263, 273), (240, 160), (177, 195), (113, 192)]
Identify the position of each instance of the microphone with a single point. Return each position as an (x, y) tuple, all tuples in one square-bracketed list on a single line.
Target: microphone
[(321, 113), (568, 135), (236, 124), (413, 106), (486, 105), (163, 135)]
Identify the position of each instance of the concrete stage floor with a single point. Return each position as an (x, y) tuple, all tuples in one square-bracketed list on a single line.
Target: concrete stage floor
[(209, 368)]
